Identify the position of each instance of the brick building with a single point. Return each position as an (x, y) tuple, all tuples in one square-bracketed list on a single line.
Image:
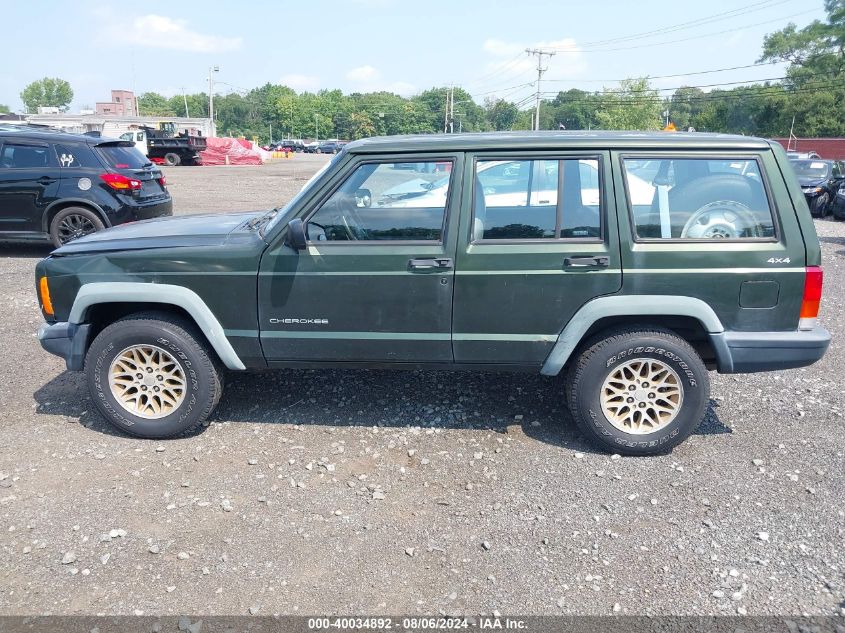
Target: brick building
[(123, 103)]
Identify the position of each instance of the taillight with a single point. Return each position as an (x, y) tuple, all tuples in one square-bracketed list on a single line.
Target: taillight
[(813, 278), (44, 295), (163, 181), (121, 182)]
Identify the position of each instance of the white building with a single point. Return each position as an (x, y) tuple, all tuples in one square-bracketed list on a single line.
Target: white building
[(114, 126)]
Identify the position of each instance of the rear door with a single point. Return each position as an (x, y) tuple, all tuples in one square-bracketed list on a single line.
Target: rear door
[(29, 182), (538, 240)]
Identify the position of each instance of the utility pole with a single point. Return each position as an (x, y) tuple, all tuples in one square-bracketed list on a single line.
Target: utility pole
[(185, 98), (452, 113), (446, 111), (211, 71), (539, 52)]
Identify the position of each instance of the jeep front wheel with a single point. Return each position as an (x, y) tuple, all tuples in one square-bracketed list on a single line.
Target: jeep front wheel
[(152, 375), (638, 391)]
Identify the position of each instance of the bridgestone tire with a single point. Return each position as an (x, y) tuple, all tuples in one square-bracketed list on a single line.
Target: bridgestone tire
[(180, 339), (602, 356), (172, 159)]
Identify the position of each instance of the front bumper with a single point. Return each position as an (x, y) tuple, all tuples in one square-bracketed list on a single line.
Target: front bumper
[(67, 340), (748, 352)]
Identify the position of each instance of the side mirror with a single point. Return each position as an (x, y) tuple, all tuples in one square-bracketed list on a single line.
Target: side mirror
[(363, 198), (296, 235)]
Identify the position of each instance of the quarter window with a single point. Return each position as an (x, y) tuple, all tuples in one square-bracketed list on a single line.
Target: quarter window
[(386, 202), (537, 199), (695, 198)]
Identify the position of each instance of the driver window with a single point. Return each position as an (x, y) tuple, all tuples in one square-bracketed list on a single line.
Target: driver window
[(386, 202), (698, 199)]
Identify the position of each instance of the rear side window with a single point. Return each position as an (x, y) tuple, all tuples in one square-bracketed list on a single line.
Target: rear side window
[(698, 199), (71, 155), (122, 156), (25, 156), (537, 199)]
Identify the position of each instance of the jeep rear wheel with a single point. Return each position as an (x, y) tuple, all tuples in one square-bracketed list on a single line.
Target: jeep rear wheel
[(638, 391), (152, 375)]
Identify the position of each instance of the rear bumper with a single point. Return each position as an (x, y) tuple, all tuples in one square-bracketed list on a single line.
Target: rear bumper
[(133, 211), (748, 352), (66, 340)]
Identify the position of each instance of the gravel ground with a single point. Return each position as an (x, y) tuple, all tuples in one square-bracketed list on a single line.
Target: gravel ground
[(411, 492)]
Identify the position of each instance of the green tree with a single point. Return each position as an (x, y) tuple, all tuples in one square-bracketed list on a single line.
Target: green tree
[(633, 105), (4, 109), (47, 92), (501, 114), (574, 109), (816, 50), (153, 104)]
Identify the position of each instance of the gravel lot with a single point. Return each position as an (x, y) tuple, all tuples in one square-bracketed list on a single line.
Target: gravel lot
[(411, 492)]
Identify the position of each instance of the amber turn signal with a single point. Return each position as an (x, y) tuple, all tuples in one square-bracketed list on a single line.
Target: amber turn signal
[(44, 292)]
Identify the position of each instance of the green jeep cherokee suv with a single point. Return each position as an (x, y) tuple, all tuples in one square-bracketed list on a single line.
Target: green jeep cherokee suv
[(628, 263)]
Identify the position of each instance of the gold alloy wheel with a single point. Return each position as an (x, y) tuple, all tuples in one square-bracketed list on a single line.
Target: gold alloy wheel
[(147, 381), (641, 396)]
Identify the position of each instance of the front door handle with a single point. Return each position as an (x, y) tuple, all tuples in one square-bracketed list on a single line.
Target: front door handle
[(46, 180), (587, 261), (442, 263)]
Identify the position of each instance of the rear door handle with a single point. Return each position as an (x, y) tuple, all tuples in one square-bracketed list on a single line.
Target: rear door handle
[(46, 180), (442, 263), (586, 262)]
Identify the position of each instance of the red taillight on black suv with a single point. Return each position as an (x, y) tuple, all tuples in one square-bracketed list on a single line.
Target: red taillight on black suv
[(121, 182), (813, 280)]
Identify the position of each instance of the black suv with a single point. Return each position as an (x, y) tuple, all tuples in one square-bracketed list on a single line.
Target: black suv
[(62, 186), (820, 181)]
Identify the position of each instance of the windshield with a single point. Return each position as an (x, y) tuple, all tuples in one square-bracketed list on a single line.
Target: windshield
[(811, 168), (301, 193)]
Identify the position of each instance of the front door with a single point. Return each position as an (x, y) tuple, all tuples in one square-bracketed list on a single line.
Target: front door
[(541, 240), (29, 182), (376, 279)]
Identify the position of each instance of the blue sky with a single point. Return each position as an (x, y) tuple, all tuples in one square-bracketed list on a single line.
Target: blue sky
[(362, 45)]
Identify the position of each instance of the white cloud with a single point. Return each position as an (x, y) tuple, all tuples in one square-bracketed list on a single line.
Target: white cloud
[(159, 31), (301, 83), (363, 74), (369, 79)]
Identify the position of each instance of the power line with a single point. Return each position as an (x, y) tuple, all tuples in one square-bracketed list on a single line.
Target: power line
[(686, 39), (718, 17), (700, 72)]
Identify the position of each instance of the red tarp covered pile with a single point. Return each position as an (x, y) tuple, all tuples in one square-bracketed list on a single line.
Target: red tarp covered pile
[(237, 151)]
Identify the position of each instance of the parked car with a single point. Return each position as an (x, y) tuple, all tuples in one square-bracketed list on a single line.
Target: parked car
[(60, 186), (329, 147), (820, 181), (628, 264), (801, 155), (311, 148), (295, 145)]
